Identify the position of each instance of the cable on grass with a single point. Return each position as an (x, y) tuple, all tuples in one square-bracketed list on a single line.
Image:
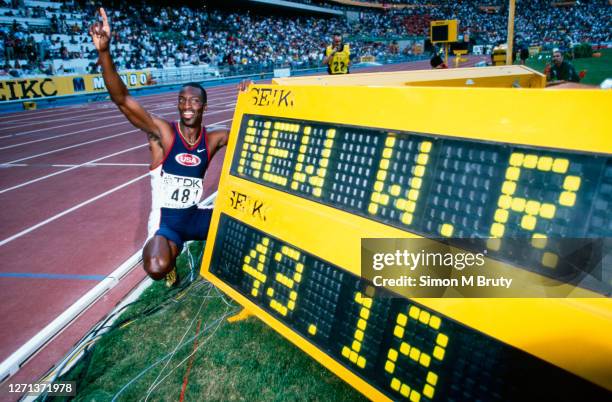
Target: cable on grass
[(186, 376), (192, 353), (193, 320), (223, 298), (95, 333), (146, 369), (80, 347)]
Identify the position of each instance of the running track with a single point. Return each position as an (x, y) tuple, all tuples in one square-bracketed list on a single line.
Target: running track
[(75, 198)]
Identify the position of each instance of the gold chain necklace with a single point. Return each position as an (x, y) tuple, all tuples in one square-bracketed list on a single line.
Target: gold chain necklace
[(185, 138), (191, 143)]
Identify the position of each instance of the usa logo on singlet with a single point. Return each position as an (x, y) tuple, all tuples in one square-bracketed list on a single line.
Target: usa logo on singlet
[(188, 159)]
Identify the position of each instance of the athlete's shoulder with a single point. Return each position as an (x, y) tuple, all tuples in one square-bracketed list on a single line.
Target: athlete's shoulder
[(160, 120), (167, 127)]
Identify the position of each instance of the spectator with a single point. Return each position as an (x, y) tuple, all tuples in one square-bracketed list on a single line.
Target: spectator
[(561, 70), (521, 49), (43, 48), (64, 51), (9, 48)]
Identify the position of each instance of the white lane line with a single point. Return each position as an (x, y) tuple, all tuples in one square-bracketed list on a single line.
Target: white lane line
[(69, 210), (79, 122), (69, 169), (70, 147), (94, 164), (210, 90), (223, 121), (82, 204), (219, 125), (82, 164), (12, 363), (116, 164), (45, 165), (40, 112), (60, 135), (81, 114), (149, 99), (232, 104), (90, 129), (123, 121)]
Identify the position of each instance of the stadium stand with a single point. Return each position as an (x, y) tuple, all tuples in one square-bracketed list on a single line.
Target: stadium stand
[(44, 37)]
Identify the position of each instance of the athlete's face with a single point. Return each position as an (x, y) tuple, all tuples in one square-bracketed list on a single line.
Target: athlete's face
[(191, 106), (337, 42)]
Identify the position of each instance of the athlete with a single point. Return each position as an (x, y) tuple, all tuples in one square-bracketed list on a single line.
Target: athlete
[(180, 153), (337, 56)]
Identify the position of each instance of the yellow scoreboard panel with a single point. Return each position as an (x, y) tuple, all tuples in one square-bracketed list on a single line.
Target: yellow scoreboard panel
[(310, 171)]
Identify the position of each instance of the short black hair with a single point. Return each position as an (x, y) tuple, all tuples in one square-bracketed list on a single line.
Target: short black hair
[(198, 86)]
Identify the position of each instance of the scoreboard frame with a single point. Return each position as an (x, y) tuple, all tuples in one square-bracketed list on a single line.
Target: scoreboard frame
[(492, 77), (492, 118)]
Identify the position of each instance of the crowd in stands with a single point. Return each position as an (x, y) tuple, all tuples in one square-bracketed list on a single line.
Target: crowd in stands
[(537, 22), (151, 36)]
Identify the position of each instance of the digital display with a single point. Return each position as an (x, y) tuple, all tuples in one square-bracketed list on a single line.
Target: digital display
[(439, 33), (404, 349), (436, 186)]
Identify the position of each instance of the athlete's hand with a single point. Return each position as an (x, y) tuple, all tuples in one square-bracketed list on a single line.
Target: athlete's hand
[(244, 85), (101, 33)]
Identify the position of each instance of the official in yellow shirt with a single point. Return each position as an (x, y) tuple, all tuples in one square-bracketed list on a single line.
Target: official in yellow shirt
[(337, 56)]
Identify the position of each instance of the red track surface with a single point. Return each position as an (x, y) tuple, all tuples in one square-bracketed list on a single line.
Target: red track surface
[(55, 219)]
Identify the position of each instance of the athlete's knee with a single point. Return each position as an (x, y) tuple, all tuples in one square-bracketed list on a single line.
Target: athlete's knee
[(159, 256), (157, 266)]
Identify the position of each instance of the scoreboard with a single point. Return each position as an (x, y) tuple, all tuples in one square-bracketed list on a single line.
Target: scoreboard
[(310, 171), (443, 31)]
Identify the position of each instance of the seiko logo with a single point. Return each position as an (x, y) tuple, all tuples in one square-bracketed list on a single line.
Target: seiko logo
[(188, 159), (243, 203), (269, 97)]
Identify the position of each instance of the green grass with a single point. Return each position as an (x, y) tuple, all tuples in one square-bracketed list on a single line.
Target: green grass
[(598, 68), (244, 361)]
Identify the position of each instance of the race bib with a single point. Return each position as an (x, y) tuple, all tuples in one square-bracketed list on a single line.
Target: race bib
[(180, 191)]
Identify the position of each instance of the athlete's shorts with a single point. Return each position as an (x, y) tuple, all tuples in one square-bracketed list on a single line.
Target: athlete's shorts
[(181, 225)]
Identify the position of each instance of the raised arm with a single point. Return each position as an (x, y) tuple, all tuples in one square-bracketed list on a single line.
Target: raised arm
[(135, 113)]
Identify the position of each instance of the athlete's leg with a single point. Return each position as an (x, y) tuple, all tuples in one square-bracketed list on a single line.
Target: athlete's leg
[(159, 256)]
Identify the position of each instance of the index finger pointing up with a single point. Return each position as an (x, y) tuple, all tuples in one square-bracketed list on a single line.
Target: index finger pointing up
[(103, 15)]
